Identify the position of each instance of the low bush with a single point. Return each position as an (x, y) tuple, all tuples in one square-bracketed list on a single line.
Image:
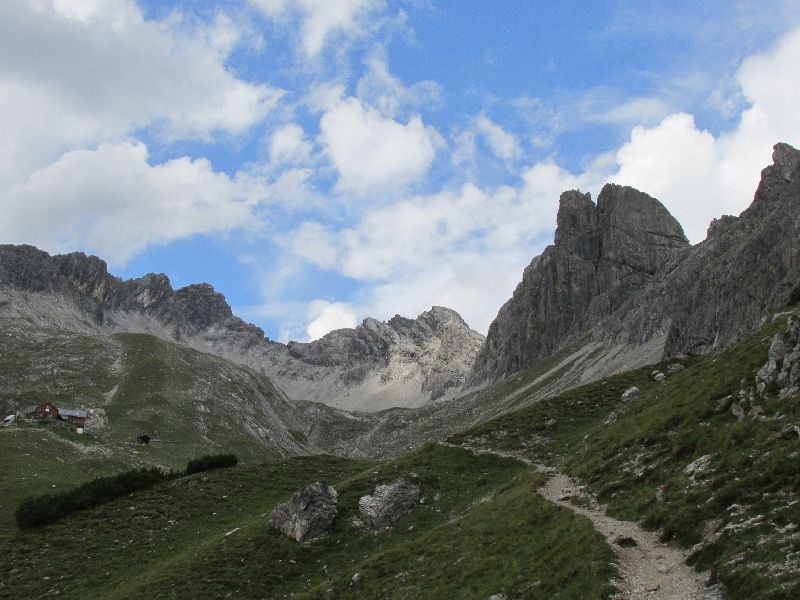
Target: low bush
[(211, 461), (794, 297), (47, 508)]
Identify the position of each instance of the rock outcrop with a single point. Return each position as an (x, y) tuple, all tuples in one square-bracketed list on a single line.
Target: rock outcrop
[(401, 363), (621, 274), (731, 283), (387, 504), (601, 256), (308, 514), (780, 375)]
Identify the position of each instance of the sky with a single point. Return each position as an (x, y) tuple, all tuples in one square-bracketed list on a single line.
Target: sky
[(323, 161)]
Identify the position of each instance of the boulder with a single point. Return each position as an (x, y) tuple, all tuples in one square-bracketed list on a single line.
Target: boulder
[(387, 504), (723, 404), (308, 514), (699, 466), (630, 394), (781, 372)]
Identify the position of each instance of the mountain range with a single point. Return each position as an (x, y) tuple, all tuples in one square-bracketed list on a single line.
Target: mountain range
[(620, 287)]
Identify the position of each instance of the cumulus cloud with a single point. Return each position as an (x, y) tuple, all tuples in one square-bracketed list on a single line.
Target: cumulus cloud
[(700, 176), (321, 19), (288, 144), (444, 248), (466, 248), (76, 73), (372, 152), (111, 201), (326, 316)]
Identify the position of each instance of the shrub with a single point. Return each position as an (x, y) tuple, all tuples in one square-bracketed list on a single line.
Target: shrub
[(211, 461), (794, 297), (47, 508)]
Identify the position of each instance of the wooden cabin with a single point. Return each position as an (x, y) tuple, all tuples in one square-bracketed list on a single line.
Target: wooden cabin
[(50, 412), (44, 412), (76, 418)]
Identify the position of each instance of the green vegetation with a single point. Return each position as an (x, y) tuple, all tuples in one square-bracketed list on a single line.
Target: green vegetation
[(746, 504), (38, 459), (48, 508), (211, 461), (178, 396), (44, 509), (481, 530), (794, 297)]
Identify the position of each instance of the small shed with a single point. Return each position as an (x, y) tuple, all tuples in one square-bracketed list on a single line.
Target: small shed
[(9, 419), (44, 411), (144, 439)]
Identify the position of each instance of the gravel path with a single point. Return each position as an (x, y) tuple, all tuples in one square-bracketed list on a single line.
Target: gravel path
[(648, 569)]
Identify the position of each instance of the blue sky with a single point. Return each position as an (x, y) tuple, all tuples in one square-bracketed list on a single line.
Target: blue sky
[(321, 161)]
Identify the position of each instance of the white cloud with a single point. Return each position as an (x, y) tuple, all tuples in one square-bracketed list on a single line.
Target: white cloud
[(326, 316), (466, 248), (633, 111), (445, 248), (699, 176), (372, 152), (378, 87), (469, 283), (111, 201), (503, 144), (321, 19), (73, 74), (314, 243), (288, 144)]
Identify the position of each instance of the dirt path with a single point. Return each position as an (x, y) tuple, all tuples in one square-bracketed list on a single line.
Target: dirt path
[(648, 569)]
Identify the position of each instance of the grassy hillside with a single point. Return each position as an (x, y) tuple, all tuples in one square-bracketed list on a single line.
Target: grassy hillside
[(189, 402), (481, 530), (739, 515), (39, 459), (194, 403)]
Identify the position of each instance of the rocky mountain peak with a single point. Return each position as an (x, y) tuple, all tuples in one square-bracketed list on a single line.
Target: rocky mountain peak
[(622, 274), (413, 360), (785, 159), (601, 255), (576, 221)]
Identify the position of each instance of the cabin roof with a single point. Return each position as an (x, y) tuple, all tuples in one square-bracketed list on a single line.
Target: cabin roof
[(68, 412)]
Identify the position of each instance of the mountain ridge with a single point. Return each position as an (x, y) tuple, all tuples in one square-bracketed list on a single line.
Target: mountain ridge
[(404, 362), (612, 278)]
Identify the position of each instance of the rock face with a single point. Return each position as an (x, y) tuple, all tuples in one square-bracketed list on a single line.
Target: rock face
[(601, 256), (308, 514), (780, 375), (387, 504), (405, 362), (731, 283), (411, 360), (621, 274)]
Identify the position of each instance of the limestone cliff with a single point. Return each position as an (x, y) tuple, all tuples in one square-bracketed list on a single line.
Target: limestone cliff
[(601, 256), (621, 275)]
